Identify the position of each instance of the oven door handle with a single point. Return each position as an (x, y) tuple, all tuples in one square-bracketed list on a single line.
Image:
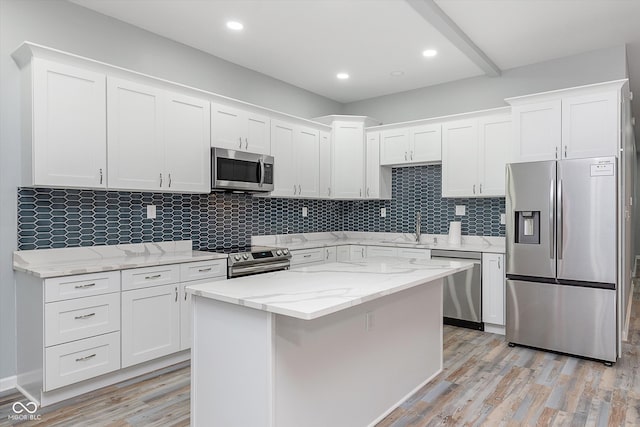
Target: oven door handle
[(261, 163), (237, 271)]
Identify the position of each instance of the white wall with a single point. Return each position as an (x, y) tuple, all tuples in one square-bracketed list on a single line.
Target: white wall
[(72, 28), (479, 93)]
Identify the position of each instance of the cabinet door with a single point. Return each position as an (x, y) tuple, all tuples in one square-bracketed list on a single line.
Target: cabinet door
[(372, 172), (307, 162), (590, 125), (494, 146), (228, 127), (493, 289), (187, 144), (257, 139), (343, 253), (537, 131), (348, 160), (135, 149), (425, 143), (331, 254), (459, 159), (150, 323), (69, 127), (325, 164), (357, 252), (282, 150), (394, 147)]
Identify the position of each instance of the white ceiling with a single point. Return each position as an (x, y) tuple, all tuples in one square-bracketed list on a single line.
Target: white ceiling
[(306, 42)]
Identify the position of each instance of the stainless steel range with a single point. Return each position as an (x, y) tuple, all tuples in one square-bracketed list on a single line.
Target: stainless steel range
[(244, 261)]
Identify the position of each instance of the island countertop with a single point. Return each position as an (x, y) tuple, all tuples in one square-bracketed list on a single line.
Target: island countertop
[(311, 292)]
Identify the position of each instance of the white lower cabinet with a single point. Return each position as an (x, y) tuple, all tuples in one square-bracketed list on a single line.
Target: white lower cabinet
[(306, 257), (343, 253), (381, 251), (331, 254), (150, 323), (493, 289), (357, 252), (414, 253)]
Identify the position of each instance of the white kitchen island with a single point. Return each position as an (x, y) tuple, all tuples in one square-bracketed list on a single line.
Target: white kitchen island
[(338, 344)]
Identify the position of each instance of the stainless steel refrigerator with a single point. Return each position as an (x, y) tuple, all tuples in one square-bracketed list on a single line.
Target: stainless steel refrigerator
[(562, 256)]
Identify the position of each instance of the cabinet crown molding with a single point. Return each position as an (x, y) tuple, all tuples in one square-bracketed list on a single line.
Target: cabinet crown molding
[(617, 85)]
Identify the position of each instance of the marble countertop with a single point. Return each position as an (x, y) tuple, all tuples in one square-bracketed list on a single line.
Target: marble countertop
[(400, 240), (44, 263), (311, 292)]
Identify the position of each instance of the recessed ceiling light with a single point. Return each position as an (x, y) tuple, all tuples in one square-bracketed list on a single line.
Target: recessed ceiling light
[(429, 53), (397, 73), (342, 76), (235, 25)]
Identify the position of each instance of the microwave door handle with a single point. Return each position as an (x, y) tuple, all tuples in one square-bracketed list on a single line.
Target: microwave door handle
[(261, 162)]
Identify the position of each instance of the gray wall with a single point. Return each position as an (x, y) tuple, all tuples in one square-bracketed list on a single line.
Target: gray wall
[(72, 28), (479, 93)]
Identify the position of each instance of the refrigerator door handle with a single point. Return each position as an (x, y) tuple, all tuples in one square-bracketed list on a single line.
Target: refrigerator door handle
[(552, 201), (560, 230)]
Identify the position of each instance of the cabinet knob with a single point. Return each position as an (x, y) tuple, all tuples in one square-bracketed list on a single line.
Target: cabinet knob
[(474, 189), (405, 155), (299, 189), (480, 188), (246, 143), (294, 189), (565, 151), (240, 139), (411, 155), (329, 192), (100, 175), (160, 179), (169, 180)]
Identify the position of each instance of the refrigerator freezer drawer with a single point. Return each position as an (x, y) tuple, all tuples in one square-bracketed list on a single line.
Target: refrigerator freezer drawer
[(569, 319)]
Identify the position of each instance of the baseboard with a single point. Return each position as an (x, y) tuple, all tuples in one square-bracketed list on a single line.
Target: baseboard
[(8, 383), (627, 321)]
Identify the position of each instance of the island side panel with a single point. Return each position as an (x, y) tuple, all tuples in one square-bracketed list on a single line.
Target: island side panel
[(353, 367), (231, 365)]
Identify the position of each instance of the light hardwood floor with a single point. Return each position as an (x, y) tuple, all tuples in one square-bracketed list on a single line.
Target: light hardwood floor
[(484, 383)]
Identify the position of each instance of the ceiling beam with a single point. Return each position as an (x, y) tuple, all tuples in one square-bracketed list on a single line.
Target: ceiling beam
[(435, 16)]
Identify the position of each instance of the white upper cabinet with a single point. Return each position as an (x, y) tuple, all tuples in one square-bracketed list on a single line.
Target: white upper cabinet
[(460, 158), (537, 131), (239, 129), (135, 144), (411, 145), (568, 124), (394, 147), (65, 144), (590, 125), (474, 154), (348, 160), (494, 148), (296, 153), (307, 161), (378, 179), (187, 144), (425, 143), (325, 164), (157, 140)]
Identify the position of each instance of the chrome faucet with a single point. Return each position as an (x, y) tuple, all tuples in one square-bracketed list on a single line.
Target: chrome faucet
[(418, 219)]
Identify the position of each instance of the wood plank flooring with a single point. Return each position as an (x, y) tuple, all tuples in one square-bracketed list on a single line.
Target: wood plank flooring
[(484, 383)]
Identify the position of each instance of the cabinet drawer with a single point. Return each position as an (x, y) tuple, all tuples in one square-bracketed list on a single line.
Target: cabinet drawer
[(81, 285), (307, 256), (137, 278), (80, 360), (380, 251), (80, 318), (414, 253), (343, 253), (203, 270)]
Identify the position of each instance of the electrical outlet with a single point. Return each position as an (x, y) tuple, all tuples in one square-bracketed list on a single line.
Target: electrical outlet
[(383, 212), (151, 211), (305, 212), (461, 210), (503, 219)]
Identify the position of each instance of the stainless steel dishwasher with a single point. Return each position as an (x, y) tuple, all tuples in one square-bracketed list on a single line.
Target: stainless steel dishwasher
[(462, 292)]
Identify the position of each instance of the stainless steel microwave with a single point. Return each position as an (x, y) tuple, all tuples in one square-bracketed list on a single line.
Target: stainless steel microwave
[(241, 171)]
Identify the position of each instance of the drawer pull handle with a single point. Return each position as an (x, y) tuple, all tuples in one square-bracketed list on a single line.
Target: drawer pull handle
[(87, 285), (202, 270), (85, 316), (306, 256), (185, 296), (155, 276), (176, 294), (82, 359)]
